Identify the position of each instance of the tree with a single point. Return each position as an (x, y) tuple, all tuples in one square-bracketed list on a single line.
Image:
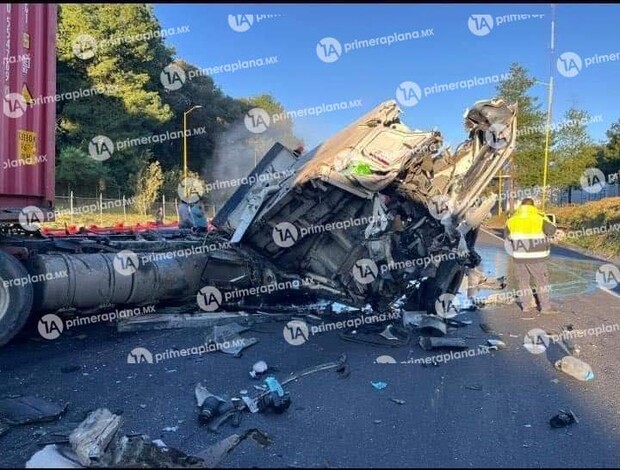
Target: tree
[(126, 64), (527, 158), (149, 183), (573, 152), (78, 172), (608, 157)]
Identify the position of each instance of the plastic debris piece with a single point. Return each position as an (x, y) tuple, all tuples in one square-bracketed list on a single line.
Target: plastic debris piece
[(50, 457), (379, 385), (496, 343), (258, 369), (170, 429), (575, 368), (398, 401)]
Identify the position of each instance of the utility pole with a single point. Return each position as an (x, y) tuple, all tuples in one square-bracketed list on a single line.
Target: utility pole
[(549, 108), (185, 146)]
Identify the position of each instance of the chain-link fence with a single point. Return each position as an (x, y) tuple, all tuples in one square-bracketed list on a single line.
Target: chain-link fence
[(123, 209)]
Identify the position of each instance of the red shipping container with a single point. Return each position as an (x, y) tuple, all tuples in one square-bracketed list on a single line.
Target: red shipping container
[(28, 119)]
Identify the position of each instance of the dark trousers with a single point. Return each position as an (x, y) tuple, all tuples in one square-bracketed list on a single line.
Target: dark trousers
[(537, 270)]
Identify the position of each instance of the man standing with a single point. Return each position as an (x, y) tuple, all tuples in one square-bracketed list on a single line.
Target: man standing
[(527, 241)]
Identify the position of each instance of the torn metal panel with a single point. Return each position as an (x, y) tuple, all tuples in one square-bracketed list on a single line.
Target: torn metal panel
[(28, 410), (371, 192)]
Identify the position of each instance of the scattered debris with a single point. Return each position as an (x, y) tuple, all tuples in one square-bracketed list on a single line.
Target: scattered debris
[(496, 343), (170, 429), (575, 368), (260, 436), (161, 321), (51, 457), (487, 328), (457, 323), (367, 334), (28, 410), (433, 325), (228, 334), (379, 385), (474, 387), (428, 343), (398, 401), (258, 369), (70, 369), (563, 419), (377, 421), (412, 318), (211, 406), (91, 438), (387, 334), (276, 398)]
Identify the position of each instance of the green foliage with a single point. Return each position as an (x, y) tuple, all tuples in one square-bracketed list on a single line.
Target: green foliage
[(149, 184), (127, 63), (608, 156), (574, 150), (528, 157), (79, 173)]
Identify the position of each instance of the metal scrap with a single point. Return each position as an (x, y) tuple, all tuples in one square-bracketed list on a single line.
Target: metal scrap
[(429, 343), (28, 410)]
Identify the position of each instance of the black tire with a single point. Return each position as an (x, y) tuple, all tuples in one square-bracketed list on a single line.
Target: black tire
[(15, 300)]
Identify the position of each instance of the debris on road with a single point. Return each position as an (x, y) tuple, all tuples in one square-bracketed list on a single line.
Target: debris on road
[(91, 438), (496, 344), (373, 334), (387, 334), (575, 368), (275, 398), (412, 318), (51, 457), (170, 429), (476, 387), (258, 369), (487, 328), (379, 385), (432, 325), (229, 334), (398, 401), (563, 419), (70, 369), (429, 343), (28, 410)]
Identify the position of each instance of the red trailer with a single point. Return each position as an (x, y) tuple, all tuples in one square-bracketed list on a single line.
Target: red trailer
[(27, 123), (45, 271)]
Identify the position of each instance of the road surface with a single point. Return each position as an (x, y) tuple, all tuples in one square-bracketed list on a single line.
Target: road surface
[(491, 410)]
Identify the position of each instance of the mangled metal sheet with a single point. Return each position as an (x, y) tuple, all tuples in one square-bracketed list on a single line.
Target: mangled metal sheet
[(377, 199)]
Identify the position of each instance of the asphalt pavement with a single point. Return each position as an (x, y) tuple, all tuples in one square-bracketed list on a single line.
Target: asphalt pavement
[(490, 409)]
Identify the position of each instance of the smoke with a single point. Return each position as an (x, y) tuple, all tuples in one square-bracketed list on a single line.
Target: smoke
[(237, 150)]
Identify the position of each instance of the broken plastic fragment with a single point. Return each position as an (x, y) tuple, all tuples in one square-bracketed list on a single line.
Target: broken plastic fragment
[(379, 385)]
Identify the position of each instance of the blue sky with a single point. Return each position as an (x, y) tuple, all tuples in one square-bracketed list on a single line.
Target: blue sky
[(453, 53)]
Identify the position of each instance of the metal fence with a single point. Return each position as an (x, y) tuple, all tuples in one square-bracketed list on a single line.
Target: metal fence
[(74, 207), (578, 196)]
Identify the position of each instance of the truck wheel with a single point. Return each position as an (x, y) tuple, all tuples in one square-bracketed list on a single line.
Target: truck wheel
[(15, 301)]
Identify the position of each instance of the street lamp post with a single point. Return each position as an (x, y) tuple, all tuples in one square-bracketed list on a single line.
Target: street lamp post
[(185, 144)]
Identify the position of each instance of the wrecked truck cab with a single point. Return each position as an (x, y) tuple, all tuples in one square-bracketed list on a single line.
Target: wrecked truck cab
[(377, 212)]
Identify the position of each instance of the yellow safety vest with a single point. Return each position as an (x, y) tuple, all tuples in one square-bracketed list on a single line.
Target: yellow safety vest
[(526, 236)]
